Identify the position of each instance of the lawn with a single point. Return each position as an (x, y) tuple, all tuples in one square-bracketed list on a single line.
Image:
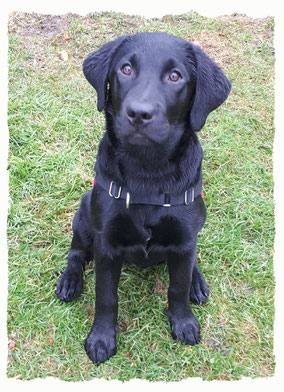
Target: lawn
[(55, 131)]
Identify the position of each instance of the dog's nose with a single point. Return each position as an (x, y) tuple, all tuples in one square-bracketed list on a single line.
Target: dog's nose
[(140, 112)]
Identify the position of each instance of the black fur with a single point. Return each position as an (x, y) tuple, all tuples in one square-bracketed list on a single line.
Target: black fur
[(157, 91)]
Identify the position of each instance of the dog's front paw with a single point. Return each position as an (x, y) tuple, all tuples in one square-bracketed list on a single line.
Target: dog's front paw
[(199, 290), (100, 346), (69, 286), (186, 329)]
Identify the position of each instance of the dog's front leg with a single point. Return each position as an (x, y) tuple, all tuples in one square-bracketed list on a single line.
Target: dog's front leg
[(184, 325), (100, 344)]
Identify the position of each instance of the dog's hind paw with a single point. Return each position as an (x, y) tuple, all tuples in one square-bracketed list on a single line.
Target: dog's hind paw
[(199, 291), (69, 286)]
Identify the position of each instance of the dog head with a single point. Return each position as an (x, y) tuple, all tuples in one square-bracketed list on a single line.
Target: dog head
[(158, 86)]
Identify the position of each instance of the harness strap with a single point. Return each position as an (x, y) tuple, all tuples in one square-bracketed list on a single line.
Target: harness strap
[(165, 199)]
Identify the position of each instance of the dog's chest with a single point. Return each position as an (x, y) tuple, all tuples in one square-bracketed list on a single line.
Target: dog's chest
[(128, 234)]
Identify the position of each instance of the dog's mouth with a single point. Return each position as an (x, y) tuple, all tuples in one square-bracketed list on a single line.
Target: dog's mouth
[(157, 132)]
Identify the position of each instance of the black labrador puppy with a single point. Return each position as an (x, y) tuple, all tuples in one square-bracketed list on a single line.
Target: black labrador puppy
[(146, 206)]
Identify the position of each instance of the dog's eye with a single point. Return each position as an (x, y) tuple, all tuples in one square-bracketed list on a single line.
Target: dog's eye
[(174, 76), (126, 69)]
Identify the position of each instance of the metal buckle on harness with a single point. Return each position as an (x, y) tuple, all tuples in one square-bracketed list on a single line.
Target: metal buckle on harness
[(110, 191), (167, 200), (186, 201), (127, 199)]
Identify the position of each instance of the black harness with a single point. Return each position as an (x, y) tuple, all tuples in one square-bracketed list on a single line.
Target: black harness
[(165, 199)]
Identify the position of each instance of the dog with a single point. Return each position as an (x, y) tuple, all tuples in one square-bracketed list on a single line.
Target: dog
[(146, 206)]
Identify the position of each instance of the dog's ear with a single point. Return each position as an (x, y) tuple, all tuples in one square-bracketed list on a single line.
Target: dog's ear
[(212, 88), (96, 68)]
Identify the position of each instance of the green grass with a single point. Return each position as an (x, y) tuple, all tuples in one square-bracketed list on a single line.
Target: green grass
[(54, 135)]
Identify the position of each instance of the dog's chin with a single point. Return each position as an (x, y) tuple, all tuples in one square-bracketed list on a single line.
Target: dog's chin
[(138, 139)]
